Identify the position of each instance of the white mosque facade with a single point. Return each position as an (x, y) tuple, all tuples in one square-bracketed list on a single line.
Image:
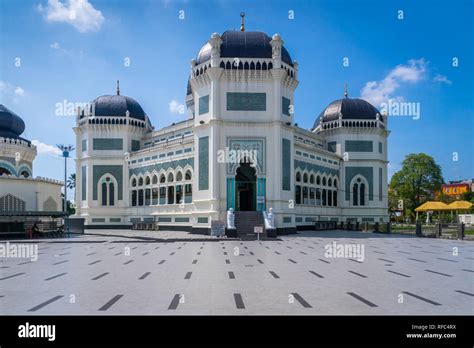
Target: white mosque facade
[(239, 100)]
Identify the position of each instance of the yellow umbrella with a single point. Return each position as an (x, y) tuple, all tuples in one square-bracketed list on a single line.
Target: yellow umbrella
[(460, 205), (432, 206)]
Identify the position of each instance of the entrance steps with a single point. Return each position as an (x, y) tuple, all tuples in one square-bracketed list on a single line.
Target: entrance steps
[(245, 221)]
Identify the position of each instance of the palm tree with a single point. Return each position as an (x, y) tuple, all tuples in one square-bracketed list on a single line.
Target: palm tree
[(71, 181)]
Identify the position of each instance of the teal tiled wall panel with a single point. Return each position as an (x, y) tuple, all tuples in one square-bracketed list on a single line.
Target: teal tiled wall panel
[(107, 144), (237, 101), (359, 146)]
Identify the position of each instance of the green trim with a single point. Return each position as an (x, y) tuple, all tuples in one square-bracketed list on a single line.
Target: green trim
[(135, 145), (202, 220), (285, 106), (285, 168), (204, 163), (84, 183), (332, 146), (204, 105)]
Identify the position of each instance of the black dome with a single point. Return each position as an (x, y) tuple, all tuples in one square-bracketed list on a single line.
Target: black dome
[(349, 109), (11, 125), (117, 105), (243, 44)]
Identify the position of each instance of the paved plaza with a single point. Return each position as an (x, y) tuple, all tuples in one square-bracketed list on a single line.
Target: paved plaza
[(146, 273)]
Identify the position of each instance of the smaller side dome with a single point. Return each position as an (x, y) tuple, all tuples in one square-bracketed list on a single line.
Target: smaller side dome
[(349, 109), (11, 125)]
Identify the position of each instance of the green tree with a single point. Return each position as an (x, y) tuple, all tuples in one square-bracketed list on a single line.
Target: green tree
[(468, 196), (417, 181), (71, 181)]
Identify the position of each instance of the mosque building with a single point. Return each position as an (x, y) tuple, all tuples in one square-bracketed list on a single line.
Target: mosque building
[(240, 147)]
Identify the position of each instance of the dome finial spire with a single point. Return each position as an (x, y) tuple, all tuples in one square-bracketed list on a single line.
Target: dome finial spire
[(242, 26), (346, 94), (118, 87)]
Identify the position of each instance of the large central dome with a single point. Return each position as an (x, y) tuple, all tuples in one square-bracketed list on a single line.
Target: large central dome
[(243, 44)]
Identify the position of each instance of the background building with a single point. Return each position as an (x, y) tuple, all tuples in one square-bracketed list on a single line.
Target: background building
[(19, 191)]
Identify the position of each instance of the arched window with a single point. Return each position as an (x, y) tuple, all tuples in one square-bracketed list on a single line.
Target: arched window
[(330, 182), (179, 176), (298, 194), (104, 194), (134, 198), (162, 178), (188, 193), (355, 193), (311, 179), (305, 178), (324, 181), (335, 183), (170, 177), (155, 179), (305, 195), (170, 194), (298, 177), (188, 175), (140, 182), (318, 180), (107, 186), (111, 194), (362, 194), (147, 180), (134, 182)]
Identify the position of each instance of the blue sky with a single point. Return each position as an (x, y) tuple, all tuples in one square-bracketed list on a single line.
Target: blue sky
[(77, 58)]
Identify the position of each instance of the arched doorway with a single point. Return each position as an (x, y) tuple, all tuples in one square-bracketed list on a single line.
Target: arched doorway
[(245, 187)]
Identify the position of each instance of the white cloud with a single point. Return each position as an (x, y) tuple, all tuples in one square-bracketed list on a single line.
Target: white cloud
[(78, 13), (10, 93), (442, 79), (175, 107), (43, 148), (19, 91), (378, 92), (57, 47)]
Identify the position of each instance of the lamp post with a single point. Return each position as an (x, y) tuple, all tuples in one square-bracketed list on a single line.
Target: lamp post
[(65, 150)]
